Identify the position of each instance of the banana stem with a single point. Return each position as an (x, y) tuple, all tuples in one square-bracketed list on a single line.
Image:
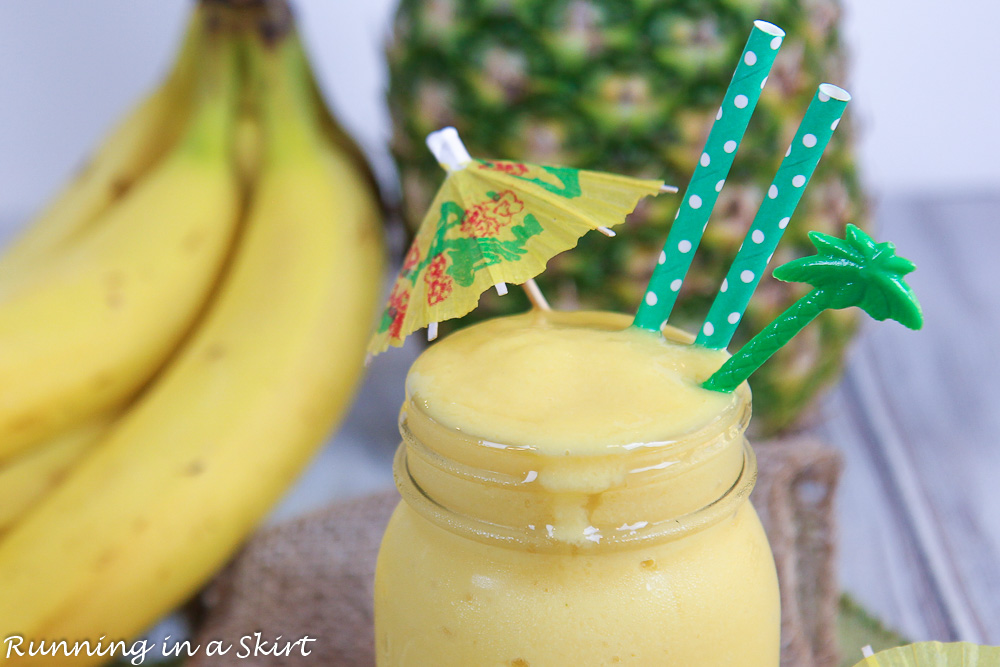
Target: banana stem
[(217, 88), (272, 17), (179, 79), (279, 71)]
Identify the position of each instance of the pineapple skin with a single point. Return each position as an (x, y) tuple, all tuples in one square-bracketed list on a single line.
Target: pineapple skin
[(632, 86)]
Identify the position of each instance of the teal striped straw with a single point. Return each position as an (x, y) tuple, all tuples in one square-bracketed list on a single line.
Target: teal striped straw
[(815, 130), (709, 175)]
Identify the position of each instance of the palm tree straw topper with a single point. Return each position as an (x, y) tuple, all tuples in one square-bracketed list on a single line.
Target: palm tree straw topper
[(854, 271)]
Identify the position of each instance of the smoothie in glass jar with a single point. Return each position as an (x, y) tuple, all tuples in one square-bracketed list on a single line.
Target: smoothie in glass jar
[(572, 496)]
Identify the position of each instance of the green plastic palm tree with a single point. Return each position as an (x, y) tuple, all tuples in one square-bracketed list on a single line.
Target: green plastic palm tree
[(854, 271)]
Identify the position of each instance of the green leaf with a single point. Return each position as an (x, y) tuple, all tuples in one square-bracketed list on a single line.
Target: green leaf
[(856, 627), (817, 270), (834, 248), (890, 298), (898, 264), (860, 240), (856, 271)]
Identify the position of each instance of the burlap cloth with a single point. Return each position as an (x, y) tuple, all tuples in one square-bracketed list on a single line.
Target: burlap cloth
[(313, 576)]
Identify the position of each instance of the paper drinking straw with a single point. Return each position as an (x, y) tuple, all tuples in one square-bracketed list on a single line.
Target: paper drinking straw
[(815, 130), (709, 175)]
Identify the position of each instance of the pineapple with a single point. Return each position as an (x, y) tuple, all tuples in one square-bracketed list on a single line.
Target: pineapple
[(632, 86)]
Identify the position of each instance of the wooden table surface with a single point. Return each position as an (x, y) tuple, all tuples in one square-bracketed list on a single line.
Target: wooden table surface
[(919, 503), (916, 420)]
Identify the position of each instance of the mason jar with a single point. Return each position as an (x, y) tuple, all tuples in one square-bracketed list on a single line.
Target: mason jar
[(645, 554)]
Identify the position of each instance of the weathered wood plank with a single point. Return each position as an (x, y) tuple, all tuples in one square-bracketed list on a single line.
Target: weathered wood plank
[(921, 499)]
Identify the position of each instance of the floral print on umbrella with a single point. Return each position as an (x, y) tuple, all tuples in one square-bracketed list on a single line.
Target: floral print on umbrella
[(439, 285), (488, 217)]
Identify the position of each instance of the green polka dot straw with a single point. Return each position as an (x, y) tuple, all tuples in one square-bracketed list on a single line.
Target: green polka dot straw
[(709, 175), (815, 130)]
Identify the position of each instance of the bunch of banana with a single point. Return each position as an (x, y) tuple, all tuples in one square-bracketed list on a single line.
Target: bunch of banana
[(178, 334)]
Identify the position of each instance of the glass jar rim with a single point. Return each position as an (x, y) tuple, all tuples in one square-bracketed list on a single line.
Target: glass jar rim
[(515, 537), (735, 415), (473, 462)]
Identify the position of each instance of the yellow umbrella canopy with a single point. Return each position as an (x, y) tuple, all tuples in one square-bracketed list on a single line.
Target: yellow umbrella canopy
[(495, 222), (935, 654)]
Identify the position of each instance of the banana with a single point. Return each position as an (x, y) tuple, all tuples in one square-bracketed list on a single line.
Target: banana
[(182, 479), (132, 148), (86, 332), (25, 480), (247, 147), (335, 134)]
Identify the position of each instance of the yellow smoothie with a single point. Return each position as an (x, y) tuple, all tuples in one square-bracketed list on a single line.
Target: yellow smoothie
[(573, 497)]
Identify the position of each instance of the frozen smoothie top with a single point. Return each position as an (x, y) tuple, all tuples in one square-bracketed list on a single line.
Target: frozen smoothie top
[(567, 382)]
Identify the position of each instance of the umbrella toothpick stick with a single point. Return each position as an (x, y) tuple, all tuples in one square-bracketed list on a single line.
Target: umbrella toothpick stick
[(448, 149), (535, 295), (531, 289)]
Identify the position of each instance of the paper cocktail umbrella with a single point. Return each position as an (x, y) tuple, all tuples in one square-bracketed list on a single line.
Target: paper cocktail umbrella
[(495, 222), (935, 654), (854, 271)]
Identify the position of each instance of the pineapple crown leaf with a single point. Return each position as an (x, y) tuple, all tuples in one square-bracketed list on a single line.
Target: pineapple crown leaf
[(857, 271)]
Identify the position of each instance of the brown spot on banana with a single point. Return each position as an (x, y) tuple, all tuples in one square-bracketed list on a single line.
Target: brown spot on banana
[(192, 241), (102, 380), (215, 351), (105, 559), (57, 477), (119, 188), (115, 297), (23, 422)]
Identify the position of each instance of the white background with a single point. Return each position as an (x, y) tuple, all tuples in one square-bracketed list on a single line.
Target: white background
[(924, 80)]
